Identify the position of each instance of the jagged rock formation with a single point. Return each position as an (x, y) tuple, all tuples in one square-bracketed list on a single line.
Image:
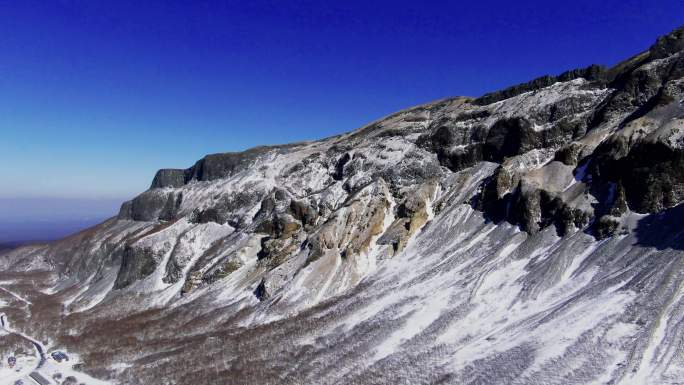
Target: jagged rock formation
[(529, 236)]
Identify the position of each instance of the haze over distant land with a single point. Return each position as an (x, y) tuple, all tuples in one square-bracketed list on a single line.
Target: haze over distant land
[(44, 219)]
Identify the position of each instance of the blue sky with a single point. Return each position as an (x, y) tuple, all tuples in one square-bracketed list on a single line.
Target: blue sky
[(95, 96)]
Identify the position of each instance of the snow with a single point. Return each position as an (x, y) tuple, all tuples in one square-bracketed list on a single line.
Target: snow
[(423, 316), (15, 295), (463, 286), (24, 366), (654, 357), (528, 102), (120, 366), (48, 368), (367, 261), (322, 291), (95, 298), (68, 301), (65, 368)]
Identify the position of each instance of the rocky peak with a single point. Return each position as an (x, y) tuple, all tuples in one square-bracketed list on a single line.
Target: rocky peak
[(575, 151), (532, 235), (667, 45)]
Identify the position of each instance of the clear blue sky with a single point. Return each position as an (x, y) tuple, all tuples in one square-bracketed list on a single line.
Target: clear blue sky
[(95, 96)]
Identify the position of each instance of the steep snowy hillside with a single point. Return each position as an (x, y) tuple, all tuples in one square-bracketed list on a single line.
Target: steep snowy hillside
[(534, 235)]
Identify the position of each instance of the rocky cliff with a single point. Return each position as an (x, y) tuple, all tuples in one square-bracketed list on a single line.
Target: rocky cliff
[(532, 235)]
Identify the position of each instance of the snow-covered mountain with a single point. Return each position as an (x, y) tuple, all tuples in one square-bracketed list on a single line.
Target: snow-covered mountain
[(534, 235)]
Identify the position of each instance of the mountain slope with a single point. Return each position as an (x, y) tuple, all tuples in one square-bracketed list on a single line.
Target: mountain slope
[(533, 235)]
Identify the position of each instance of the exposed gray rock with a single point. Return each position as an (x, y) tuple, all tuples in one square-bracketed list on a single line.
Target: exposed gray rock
[(528, 237), (668, 44), (168, 177), (152, 205), (217, 166), (594, 73), (137, 263)]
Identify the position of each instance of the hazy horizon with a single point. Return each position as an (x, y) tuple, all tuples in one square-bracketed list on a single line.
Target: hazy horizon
[(46, 218)]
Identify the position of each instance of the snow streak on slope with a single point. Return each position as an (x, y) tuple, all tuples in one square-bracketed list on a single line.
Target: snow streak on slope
[(531, 236)]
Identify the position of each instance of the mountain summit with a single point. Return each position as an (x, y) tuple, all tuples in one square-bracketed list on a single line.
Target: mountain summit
[(533, 235)]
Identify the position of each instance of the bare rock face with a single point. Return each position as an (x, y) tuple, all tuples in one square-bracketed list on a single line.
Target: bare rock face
[(352, 229), (168, 178), (411, 215), (642, 156), (651, 173), (594, 73), (137, 263), (217, 166), (575, 152), (500, 131), (532, 235), (152, 205)]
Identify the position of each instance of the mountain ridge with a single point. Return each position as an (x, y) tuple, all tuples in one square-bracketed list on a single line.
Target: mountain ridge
[(527, 236)]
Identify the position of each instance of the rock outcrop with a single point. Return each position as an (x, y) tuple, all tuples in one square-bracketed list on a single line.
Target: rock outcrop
[(563, 144), (532, 235)]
